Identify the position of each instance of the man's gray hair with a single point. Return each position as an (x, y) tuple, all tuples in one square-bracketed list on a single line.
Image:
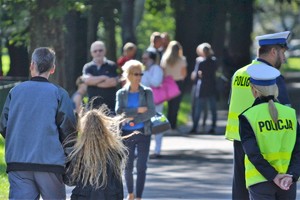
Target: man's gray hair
[(43, 58)]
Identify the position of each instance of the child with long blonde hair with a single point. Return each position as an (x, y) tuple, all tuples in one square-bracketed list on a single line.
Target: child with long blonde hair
[(98, 157)]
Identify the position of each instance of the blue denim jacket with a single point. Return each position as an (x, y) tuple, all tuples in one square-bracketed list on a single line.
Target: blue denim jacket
[(145, 99)]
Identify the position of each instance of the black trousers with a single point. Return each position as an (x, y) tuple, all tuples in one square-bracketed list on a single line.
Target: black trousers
[(173, 106), (270, 191), (239, 190)]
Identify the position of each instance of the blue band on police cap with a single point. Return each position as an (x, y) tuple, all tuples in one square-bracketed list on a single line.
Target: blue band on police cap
[(263, 82), (272, 41)]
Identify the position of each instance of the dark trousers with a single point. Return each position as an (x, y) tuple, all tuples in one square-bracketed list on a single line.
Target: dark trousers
[(173, 106), (239, 190), (270, 191), (139, 144)]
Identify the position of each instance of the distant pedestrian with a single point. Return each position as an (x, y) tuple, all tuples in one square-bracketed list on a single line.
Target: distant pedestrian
[(205, 93), (98, 158), (129, 51), (270, 136), (174, 64), (135, 101), (271, 52), (36, 121), (100, 75), (79, 95), (156, 45)]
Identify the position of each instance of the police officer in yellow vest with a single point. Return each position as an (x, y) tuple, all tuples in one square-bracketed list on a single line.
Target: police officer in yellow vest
[(271, 52), (270, 137)]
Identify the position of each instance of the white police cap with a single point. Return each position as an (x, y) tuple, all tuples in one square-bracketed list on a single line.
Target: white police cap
[(273, 39), (262, 74)]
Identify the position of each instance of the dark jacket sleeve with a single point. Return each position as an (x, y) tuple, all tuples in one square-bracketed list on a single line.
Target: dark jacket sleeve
[(66, 120), (294, 167), (4, 116), (251, 148)]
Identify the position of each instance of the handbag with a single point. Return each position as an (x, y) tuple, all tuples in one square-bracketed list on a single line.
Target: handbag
[(159, 123), (166, 91)]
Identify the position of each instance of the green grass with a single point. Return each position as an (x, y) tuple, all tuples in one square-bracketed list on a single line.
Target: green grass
[(184, 110), (4, 186)]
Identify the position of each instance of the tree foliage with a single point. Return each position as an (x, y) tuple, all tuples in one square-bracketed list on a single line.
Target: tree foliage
[(15, 17), (71, 26), (158, 16), (284, 16)]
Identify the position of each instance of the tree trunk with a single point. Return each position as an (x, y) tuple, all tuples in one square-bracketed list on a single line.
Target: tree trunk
[(127, 17), (19, 60), (241, 20), (110, 32), (219, 32), (76, 47), (46, 30), (198, 22), (139, 6), (186, 29), (105, 10), (92, 24)]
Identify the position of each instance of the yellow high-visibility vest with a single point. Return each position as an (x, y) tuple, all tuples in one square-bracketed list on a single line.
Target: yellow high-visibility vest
[(276, 141), (241, 98)]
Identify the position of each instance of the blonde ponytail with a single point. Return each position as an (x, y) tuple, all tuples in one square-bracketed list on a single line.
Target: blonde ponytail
[(273, 110), (268, 91)]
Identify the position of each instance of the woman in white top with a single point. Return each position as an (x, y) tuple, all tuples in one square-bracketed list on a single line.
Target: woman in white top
[(174, 64), (153, 77)]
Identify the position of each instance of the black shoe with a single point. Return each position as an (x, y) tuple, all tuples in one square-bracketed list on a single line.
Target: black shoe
[(155, 156), (193, 131), (212, 131)]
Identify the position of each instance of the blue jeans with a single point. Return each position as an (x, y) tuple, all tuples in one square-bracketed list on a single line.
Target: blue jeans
[(141, 144), (200, 104)]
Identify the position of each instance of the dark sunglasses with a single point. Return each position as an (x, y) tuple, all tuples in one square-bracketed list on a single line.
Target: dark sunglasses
[(99, 50), (138, 74)]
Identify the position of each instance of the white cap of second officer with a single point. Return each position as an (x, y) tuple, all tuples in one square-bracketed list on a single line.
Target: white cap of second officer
[(273, 39), (262, 74)]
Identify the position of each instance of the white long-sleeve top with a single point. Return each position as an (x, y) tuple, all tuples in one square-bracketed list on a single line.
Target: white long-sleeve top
[(153, 76)]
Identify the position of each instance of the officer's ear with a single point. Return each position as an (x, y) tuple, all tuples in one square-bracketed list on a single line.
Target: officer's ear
[(275, 50)]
